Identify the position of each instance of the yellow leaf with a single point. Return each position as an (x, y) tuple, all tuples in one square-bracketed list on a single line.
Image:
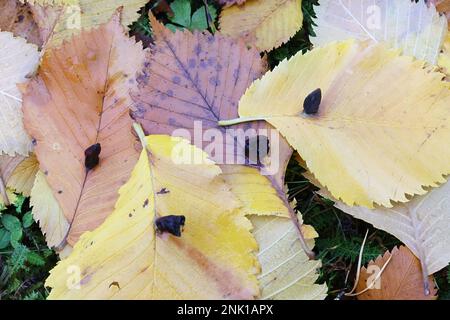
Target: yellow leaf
[(22, 178), (47, 212), (16, 175), (50, 2), (10, 195), (369, 142), (264, 23), (444, 57), (125, 258), (19, 60), (254, 190), (415, 28), (287, 272), (86, 14)]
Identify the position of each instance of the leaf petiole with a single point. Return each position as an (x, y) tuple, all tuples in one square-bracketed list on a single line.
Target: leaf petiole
[(232, 122)]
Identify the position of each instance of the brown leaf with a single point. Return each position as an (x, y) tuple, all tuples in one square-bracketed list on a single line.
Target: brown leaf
[(17, 18), (193, 80), (81, 97), (401, 280), (33, 22), (443, 6), (46, 19), (227, 3)]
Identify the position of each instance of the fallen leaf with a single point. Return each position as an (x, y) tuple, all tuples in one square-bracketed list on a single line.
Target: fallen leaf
[(19, 60), (7, 166), (46, 18), (18, 19), (82, 96), (51, 2), (227, 3), (421, 224), (192, 80), (255, 191), (87, 14), (48, 213), (405, 122), (444, 57), (23, 173), (266, 24), (415, 28), (125, 258), (287, 272), (401, 280), (442, 6)]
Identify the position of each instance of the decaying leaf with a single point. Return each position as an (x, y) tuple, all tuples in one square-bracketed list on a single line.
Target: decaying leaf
[(287, 272), (47, 212), (125, 258), (404, 122), (51, 2), (87, 14), (401, 280), (415, 28), (190, 82), (82, 96), (422, 224), (46, 18), (21, 179), (442, 6), (16, 175), (266, 24), (19, 60), (7, 166), (17, 18), (227, 3)]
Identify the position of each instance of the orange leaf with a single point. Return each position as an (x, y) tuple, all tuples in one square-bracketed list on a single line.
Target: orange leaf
[(80, 98), (401, 280)]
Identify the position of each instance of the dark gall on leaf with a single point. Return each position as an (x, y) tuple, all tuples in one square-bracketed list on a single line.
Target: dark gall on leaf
[(171, 224), (312, 102), (91, 156)]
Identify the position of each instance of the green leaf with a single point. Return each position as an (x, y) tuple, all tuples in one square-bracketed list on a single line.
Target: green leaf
[(5, 237), (35, 259), (181, 12), (11, 223), (27, 219), (18, 203), (173, 27), (199, 19), (16, 236)]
